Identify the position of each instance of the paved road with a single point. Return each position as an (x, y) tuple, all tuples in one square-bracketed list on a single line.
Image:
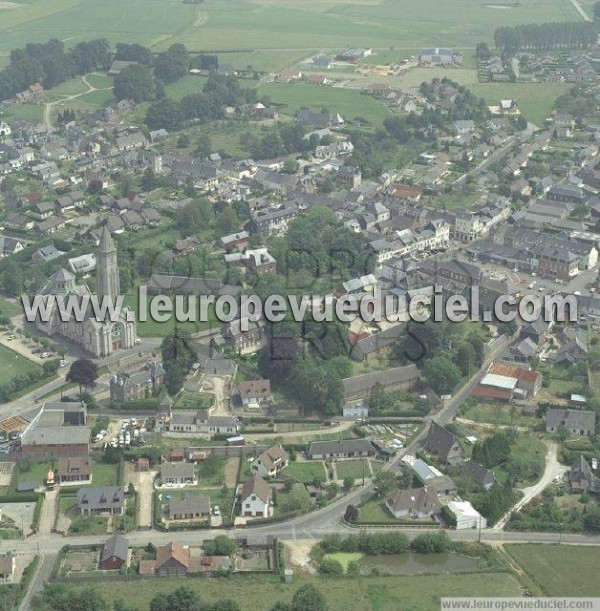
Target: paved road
[(578, 8), (39, 579)]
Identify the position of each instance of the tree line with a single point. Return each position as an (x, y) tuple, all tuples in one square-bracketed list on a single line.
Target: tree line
[(50, 64), (545, 36), (58, 597), (137, 82)]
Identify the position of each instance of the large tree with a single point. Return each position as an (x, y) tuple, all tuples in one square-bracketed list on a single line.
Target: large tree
[(178, 356), (83, 372), (135, 82)]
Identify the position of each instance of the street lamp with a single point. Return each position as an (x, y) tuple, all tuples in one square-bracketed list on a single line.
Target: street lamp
[(560, 534)]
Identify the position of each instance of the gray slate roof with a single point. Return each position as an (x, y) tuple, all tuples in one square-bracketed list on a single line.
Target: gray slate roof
[(117, 546)]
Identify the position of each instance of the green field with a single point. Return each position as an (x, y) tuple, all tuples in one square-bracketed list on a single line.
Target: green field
[(560, 570), (271, 24), (534, 99), (349, 103), (417, 593), (14, 364)]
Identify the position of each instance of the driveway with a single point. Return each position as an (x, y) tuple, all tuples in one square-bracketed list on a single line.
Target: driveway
[(552, 470), (48, 513), (144, 485)]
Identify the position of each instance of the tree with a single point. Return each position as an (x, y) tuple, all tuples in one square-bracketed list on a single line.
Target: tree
[(165, 114), (221, 545), (135, 82), (308, 598), (149, 181), (183, 141), (348, 483), (465, 358), (298, 499), (172, 64), (377, 398), (330, 566), (84, 373), (351, 514), (178, 356), (442, 374), (194, 216), (385, 481), (431, 543)]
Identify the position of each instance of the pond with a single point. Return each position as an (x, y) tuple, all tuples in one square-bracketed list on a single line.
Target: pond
[(414, 564)]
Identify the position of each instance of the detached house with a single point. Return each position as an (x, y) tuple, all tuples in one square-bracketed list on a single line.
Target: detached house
[(443, 444), (172, 560), (255, 498), (270, 462), (417, 503), (255, 392), (178, 474), (106, 499), (192, 508)]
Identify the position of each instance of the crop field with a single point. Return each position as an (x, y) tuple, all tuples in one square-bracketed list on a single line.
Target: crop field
[(560, 570), (272, 24), (374, 593)]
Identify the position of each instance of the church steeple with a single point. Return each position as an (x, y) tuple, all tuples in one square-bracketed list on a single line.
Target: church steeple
[(107, 269)]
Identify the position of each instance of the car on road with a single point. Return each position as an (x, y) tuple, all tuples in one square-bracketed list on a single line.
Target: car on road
[(11, 337), (531, 285), (45, 355), (541, 289)]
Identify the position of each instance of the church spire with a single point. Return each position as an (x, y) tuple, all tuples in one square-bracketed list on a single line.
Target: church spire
[(107, 269)]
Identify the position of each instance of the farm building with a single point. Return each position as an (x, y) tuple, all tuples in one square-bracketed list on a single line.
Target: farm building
[(465, 515)]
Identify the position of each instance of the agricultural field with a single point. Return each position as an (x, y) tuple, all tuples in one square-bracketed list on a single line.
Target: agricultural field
[(560, 570), (293, 28), (374, 593), (14, 364)]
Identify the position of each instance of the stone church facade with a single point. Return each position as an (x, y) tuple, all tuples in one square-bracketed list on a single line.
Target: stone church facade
[(100, 338)]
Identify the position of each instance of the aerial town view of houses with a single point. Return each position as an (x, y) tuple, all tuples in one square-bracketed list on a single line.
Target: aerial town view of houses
[(367, 150)]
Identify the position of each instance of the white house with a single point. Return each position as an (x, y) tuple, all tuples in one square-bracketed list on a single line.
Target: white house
[(255, 498), (5, 129), (270, 462), (356, 409)]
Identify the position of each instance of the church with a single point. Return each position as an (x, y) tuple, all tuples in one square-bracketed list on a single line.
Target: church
[(100, 338)]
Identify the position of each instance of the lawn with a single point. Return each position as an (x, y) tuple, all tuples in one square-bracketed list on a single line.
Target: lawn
[(498, 414), (104, 474), (560, 570), (354, 469), (534, 99), (305, 472), (8, 309), (14, 364), (375, 511), (153, 328), (349, 103), (29, 471), (417, 593)]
